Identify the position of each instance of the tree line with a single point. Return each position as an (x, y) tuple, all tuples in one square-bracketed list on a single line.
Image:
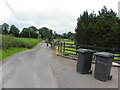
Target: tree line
[(14, 31), (32, 32), (102, 30)]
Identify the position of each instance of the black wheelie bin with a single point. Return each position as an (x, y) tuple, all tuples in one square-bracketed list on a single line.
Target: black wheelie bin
[(103, 66), (84, 61)]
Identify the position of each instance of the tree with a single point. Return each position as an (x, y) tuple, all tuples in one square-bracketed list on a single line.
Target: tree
[(29, 32), (50, 36), (44, 32), (107, 25), (14, 31), (24, 32), (0, 29), (118, 36), (64, 35), (101, 30), (55, 35), (33, 32), (33, 28), (70, 35), (4, 29), (82, 28)]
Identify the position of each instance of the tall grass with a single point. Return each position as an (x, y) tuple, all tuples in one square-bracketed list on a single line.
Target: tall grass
[(10, 45), (10, 42)]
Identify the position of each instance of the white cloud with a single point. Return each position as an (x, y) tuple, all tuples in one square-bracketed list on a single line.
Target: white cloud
[(59, 15)]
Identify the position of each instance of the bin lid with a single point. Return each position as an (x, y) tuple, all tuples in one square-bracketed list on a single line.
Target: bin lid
[(81, 50), (104, 54)]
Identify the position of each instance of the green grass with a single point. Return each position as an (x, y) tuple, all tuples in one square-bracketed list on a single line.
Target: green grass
[(28, 40), (11, 45), (0, 54), (10, 51), (69, 48), (68, 41), (71, 42), (70, 52), (116, 58), (117, 54), (11, 42)]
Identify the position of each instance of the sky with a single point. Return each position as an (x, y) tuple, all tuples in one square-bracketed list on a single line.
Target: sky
[(58, 15)]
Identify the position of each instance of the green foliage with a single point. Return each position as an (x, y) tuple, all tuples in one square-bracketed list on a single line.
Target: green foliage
[(24, 32), (4, 29), (68, 35), (0, 54), (71, 36), (98, 30), (10, 51), (11, 45), (64, 35), (55, 35), (68, 41), (33, 28), (50, 36), (29, 32), (46, 34), (11, 42), (14, 31)]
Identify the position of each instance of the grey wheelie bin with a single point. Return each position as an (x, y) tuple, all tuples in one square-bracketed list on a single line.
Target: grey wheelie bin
[(84, 61), (103, 66)]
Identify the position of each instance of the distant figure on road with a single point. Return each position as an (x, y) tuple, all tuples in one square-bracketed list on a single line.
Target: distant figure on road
[(47, 44)]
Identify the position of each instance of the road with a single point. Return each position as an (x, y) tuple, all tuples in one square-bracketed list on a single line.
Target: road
[(40, 68)]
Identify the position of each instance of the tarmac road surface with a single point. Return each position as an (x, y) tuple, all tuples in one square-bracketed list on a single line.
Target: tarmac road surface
[(40, 68), (28, 69)]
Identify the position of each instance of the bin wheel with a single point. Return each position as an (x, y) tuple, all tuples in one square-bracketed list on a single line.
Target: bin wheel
[(110, 77), (90, 72)]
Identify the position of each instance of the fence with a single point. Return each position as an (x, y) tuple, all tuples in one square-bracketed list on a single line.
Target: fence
[(70, 49), (67, 48)]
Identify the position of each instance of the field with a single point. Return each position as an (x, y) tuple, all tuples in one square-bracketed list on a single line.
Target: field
[(70, 51), (11, 45)]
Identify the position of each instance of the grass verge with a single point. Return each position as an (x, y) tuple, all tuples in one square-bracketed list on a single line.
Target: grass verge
[(10, 51), (11, 45)]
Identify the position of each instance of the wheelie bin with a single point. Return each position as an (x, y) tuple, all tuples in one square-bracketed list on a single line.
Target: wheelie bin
[(103, 66), (84, 61)]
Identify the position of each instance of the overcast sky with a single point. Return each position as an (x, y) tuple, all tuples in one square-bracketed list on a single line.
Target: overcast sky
[(58, 15)]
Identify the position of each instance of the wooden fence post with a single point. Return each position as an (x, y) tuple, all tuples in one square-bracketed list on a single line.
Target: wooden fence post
[(58, 46), (76, 48), (63, 47)]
